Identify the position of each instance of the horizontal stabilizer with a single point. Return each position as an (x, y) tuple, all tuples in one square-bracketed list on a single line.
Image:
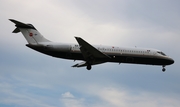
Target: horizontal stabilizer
[(31, 34), (16, 30), (21, 25)]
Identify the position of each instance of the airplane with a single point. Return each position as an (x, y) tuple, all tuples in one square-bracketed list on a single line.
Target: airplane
[(90, 54)]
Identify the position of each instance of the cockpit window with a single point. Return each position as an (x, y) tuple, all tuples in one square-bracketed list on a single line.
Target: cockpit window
[(161, 53)]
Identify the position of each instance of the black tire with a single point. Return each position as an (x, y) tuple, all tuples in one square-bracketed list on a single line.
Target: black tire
[(88, 67), (163, 69)]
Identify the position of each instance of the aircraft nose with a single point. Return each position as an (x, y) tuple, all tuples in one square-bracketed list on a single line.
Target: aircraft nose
[(171, 61)]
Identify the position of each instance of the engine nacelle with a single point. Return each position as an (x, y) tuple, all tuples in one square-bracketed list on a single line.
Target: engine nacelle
[(61, 47)]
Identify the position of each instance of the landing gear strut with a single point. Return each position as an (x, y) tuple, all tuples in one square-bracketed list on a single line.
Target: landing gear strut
[(163, 69), (88, 67)]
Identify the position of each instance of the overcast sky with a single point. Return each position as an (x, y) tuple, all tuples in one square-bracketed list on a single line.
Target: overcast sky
[(32, 79)]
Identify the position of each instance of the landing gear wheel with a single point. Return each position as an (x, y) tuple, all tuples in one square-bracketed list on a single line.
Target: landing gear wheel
[(88, 67), (164, 69)]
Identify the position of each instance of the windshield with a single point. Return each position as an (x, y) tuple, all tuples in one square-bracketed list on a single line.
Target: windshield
[(161, 53)]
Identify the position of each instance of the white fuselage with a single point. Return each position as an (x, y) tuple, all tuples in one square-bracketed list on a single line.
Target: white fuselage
[(118, 54)]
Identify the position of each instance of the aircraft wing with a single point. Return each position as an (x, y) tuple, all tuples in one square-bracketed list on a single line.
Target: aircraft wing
[(89, 52), (83, 64)]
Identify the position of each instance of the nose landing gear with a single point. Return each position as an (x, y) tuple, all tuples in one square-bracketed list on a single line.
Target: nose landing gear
[(163, 69)]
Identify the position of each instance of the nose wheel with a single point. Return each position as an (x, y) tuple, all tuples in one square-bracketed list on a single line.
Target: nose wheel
[(163, 69)]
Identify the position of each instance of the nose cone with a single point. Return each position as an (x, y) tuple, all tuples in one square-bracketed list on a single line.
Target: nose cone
[(171, 61)]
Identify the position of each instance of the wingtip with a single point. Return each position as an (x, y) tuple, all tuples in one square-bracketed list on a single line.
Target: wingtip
[(12, 20), (76, 37)]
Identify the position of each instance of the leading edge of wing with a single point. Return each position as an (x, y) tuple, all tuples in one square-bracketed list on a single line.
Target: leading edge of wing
[(90, 51)]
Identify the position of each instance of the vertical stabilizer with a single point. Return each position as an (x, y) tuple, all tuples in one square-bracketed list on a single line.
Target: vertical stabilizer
[(31, 34)]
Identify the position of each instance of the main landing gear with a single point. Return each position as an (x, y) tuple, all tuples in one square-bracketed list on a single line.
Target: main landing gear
[(163, 69), (88, 67)]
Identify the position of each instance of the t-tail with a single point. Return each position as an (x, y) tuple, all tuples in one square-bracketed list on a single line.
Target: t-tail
[(29, 31)]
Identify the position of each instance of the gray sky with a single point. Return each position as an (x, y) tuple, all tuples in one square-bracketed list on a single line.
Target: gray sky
[(29, 78)]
